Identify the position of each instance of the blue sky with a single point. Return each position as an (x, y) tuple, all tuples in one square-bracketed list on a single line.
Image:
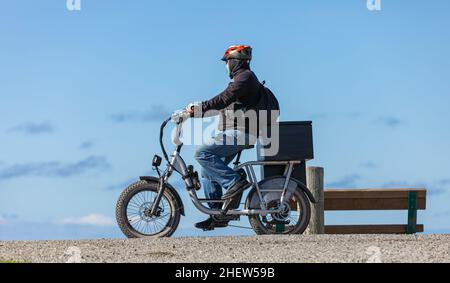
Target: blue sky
[(83, 93)]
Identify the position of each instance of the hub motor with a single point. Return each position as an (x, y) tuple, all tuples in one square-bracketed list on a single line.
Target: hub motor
[(145, 211), (281, 217)]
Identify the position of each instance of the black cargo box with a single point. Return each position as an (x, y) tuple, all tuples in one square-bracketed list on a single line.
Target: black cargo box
[(296, 143)]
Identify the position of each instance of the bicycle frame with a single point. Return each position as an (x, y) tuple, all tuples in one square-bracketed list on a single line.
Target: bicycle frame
[(177, 164)]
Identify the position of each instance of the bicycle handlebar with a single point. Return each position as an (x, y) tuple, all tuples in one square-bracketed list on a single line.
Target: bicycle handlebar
[(161, 134), (178, 117)]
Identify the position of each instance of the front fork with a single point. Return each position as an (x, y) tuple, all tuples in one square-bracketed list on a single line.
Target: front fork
[(161, 188)]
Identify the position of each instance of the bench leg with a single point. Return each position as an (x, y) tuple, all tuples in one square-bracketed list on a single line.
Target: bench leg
[(412, 213), (279, 228)]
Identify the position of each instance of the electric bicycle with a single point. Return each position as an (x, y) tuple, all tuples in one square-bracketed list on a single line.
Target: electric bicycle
[(152, 207)]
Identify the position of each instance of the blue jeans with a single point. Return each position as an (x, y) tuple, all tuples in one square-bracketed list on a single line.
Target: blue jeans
[(214, 158)]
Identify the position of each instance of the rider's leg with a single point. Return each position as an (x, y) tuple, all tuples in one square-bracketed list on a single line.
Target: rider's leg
[(212, 190), (212, 158)]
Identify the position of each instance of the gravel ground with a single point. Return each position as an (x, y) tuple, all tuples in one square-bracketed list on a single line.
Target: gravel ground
[(274, 248)]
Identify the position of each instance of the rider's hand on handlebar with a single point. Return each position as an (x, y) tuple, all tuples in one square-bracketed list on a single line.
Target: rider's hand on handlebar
[(194, 108), (179, 116), (190, 109)]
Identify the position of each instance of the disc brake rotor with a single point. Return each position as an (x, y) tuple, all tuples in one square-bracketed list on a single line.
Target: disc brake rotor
[(145, 211)]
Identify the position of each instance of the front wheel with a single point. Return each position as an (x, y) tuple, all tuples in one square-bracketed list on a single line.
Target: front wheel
[(133, 211)]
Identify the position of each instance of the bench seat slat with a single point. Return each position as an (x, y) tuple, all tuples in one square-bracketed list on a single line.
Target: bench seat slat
[(370, 204), (369, 229)]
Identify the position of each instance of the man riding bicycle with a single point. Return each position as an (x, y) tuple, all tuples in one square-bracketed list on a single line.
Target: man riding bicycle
[(214, 157)]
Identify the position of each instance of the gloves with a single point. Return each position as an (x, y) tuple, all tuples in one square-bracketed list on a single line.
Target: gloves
[(194, 108), (180, 115)]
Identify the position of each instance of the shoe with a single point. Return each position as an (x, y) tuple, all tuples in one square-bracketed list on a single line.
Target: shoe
[(234, 202), (210, 223), (237, 188)]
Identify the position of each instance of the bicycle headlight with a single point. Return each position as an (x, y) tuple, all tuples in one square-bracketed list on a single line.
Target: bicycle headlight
[(156, 160)]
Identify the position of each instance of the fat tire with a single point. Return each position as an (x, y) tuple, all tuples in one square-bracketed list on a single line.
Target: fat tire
[(133, 189), (257, 226)]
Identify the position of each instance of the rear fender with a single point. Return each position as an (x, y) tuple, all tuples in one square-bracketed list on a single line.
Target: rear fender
[(151, 179), (267, 184), (305, 189)]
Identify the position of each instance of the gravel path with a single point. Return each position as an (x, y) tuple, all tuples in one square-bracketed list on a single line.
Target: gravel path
[(296, 248)]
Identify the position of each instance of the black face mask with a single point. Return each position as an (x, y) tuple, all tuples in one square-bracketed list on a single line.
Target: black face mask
[(235, 65)]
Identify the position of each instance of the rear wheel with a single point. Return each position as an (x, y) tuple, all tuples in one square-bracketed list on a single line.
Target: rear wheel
[(133, 211), (293, 218)]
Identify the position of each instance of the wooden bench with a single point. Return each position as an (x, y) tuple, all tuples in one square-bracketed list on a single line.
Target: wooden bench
[(376, 199)]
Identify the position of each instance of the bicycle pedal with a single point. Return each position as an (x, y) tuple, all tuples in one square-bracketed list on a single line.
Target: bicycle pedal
[(225, 217), (234, 217)]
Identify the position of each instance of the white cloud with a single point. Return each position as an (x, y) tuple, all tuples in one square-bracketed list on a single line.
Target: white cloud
[(91, 219), (6, 218)]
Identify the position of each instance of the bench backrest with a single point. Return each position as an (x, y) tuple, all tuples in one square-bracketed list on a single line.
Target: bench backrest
[(372, 199)]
